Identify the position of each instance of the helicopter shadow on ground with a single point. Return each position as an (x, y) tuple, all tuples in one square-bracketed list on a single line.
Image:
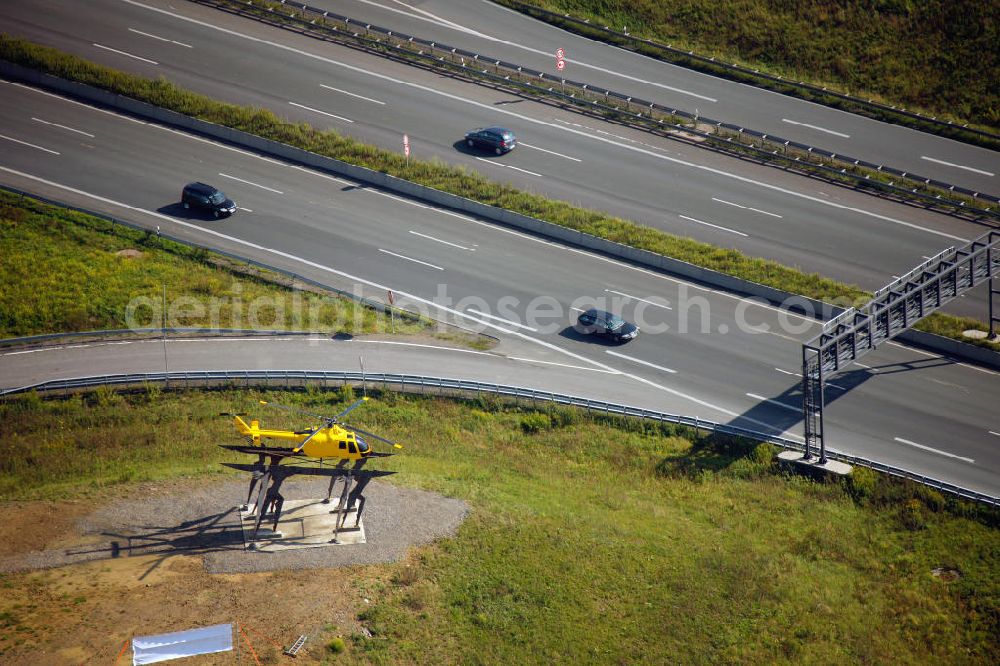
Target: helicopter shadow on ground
[(575, 334), (213, 533), (784, 410)]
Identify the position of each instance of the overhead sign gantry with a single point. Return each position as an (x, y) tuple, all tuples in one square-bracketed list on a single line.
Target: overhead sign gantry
[(893, 309)]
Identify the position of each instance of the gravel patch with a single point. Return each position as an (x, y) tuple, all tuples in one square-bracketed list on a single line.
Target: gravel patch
[(205, 521)]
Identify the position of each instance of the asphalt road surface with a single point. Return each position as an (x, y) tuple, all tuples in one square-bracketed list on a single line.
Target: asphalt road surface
[(675, 187), (701, 352), (487, 28)]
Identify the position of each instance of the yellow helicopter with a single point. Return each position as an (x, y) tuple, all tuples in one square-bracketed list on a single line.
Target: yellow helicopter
[(331, 440)]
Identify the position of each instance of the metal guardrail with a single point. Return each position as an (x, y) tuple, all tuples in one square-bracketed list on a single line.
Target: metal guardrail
[(406, 383), (716, 64), (594, 99), (123, 332)]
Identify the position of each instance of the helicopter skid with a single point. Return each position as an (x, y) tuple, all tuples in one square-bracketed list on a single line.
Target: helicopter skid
[(306, 523)]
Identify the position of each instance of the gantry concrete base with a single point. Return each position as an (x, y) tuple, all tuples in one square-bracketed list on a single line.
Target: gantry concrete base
[(832, 466), (303, 524)]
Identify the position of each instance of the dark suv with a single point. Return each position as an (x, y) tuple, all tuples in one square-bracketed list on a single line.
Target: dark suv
[(599, 322), (206, 197), (498, 139)]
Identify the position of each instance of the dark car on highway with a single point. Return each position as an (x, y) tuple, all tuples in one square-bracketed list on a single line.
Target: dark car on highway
[(498, 139), (599, 322), (205, 197)]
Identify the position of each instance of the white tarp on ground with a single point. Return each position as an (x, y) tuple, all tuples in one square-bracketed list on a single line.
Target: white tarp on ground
[(152, 649)]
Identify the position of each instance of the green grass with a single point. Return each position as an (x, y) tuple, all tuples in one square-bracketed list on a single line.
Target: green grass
[(939, 56), (62, 272), (591, 539), (455, 180)]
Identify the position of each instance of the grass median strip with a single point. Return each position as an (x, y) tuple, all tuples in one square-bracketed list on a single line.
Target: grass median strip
[(592, 539), (455, 180), (66, 271)]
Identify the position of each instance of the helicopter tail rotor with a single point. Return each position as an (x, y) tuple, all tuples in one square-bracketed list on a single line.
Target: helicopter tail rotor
[(251, 432)]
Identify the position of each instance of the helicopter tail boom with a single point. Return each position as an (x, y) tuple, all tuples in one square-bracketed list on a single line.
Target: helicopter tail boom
[(251, 432)]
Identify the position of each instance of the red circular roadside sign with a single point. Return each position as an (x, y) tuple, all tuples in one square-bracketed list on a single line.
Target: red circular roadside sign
[(560, 64), (560, 54)]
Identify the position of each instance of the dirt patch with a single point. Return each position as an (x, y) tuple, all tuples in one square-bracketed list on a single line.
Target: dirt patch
[(30, 526), (81, 579), (129, 253)]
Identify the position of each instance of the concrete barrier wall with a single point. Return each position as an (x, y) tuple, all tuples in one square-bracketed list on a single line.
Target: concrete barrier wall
[(533, 225)]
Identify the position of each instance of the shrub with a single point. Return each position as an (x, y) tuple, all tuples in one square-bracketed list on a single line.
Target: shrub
[(861, 484), (336, 645), (535, 422), (764, 454), (746, 468), (913, 515), (562, 416)]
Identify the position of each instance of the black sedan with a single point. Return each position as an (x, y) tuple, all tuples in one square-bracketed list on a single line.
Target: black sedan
[(498, 139), (208, 198), (599, 322)]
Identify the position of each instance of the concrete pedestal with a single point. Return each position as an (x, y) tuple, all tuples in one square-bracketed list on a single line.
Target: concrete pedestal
[(303, 524), (831, 466)]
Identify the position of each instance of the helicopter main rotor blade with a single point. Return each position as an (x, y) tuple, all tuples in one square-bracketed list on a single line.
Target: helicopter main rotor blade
[(357, 403), (306, 440), (372, 435)]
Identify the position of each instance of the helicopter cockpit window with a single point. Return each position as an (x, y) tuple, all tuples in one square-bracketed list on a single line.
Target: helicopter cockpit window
[(353, 448), (363, 445)]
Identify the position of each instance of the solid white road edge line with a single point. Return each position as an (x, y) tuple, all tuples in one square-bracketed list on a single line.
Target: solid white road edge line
[(416, 261), (551, 152), (958, 166), (506, 321), (640, 361), (775, 402), (125, 53), (816, 127), (714, 226), (45, 122), (460, 247), (325, 113), (508, 166), (564, 365), (367, 99), (263, 187), (416, 344), (25, 143), (636, 298)]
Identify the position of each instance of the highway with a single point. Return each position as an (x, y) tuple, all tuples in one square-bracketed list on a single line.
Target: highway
[(702, 352), (675, 187), (484, 27)]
